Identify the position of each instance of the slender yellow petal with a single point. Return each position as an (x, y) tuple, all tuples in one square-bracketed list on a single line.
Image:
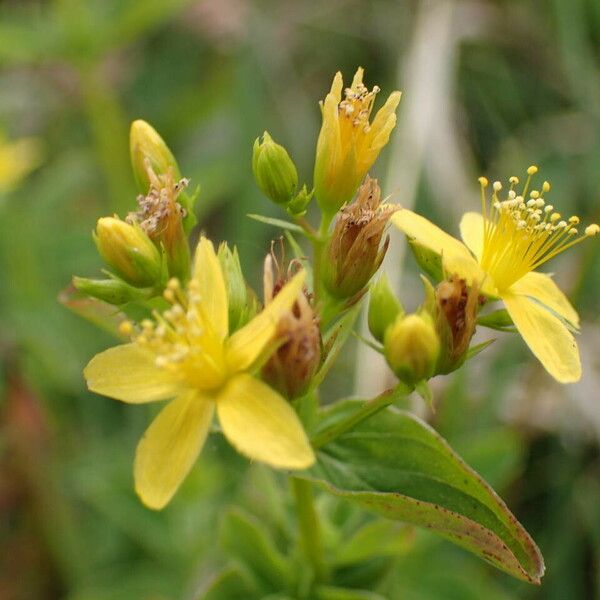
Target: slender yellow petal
[(546, 336), (336, 87), (428, 235), (248, 344), (541, 287), (129, 373), (385, 112), (259, 423), (170, 447), (471, 231), (211, 286), (358, 77)]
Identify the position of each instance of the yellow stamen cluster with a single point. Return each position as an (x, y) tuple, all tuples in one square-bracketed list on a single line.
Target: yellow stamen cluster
[(522, 232), (182, 339)]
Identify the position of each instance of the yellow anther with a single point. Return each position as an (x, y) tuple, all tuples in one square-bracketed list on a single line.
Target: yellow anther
[(483, 182), (546, 186), (126, 327), (573, 231), (555, 217), (173, 284), (574, 220), (513, 180), (534, 194), (169, 295), (532, 170), (497, 186), (592, 229)]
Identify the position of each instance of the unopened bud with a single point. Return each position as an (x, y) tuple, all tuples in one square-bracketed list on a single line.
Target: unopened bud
[(113, 291), (147, 147), (384, 308), (129, 251), (274, 171), (412, 347), (243, 304), (353, 252), (292, 367), (456, 316)]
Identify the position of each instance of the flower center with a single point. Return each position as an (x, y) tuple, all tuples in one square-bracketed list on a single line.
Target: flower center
[(523, 232), (183, 340)]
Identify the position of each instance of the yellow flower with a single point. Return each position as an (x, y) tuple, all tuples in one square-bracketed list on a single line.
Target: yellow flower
[(348, 144), (17, 159), (504, 246), (187, 354)]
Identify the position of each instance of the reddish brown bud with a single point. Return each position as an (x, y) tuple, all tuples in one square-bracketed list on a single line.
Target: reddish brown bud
[(291, 368), (353, 253)]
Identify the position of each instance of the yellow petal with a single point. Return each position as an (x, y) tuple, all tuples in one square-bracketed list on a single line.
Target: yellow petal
[(358, 78), (249, 343), (385, 112), (336, 87), (546, 336), (428, 235), (129, 373), (471, 231), (211, 286), (170, 447), (541, 287), (259, 423), (455, 256)]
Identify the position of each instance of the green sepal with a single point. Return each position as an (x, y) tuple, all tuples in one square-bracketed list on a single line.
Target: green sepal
[(428, 260), (114, 291), (498, 319)]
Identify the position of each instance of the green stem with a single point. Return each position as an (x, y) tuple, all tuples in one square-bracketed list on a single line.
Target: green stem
[(309, 528), (367, 410), (318, 246)]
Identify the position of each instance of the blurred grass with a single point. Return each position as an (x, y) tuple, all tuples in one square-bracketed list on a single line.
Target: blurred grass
[(211, 77)]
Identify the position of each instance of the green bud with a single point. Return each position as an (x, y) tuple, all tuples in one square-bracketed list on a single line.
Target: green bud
[(129, 251), (384, 308), (113, 291), (243, 304), (274, 171), (411, 347), (298, 206), (145, 144), (428, 260)]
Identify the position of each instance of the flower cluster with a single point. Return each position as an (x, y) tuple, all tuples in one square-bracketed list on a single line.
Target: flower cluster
[(199, 337)]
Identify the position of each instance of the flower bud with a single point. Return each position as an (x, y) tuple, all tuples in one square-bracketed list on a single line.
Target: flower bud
[(384, 308), (456, 308), (353, 253), (243, 304), (146, 145), (274, 171), (113, 291), (412, 347), (129, 251), (292, 367)]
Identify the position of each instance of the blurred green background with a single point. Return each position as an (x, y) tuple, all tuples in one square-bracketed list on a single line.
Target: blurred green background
[(489, 87)]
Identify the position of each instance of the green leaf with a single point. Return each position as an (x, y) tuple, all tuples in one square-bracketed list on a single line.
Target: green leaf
[(337, 593), (245, 538), (376, 538), (229, 584), (278, 223), (400, 468)]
